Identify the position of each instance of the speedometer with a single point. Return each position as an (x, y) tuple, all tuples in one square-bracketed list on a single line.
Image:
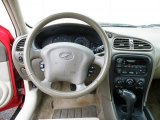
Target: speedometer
[(61, 38), (46, 42), (82, 41)]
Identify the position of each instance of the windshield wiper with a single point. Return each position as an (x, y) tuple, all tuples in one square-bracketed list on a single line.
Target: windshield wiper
[(116, 25), (28, 25), (150, 25)]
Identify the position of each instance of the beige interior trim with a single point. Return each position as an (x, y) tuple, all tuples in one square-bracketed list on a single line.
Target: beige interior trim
[(14, 12), (32, 99)]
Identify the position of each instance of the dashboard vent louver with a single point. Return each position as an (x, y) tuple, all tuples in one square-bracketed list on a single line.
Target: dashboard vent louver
[(20, 45), (141, 45), (121, 43), (131, 44)]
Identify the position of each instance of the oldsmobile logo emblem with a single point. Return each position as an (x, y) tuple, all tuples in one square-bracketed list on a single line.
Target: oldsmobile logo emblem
[(66, 55)]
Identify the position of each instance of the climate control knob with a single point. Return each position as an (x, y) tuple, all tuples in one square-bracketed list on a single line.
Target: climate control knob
[(119, 82), (130, 81), (140, 83)]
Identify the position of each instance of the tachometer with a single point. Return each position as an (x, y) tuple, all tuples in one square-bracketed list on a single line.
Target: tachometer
[(82, 41)]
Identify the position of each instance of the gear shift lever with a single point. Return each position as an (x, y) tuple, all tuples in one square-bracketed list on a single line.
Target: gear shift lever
[(130, 100)]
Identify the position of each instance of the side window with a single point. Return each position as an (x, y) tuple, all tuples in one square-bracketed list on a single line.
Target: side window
[(5, 20)]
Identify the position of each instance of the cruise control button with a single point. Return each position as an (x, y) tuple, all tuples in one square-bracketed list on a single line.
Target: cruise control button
[(92, 68)]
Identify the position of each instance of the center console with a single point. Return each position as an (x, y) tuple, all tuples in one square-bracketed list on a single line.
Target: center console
[(129, 79)]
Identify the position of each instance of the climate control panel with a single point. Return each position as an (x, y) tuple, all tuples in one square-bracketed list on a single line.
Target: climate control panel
[(129, 82)]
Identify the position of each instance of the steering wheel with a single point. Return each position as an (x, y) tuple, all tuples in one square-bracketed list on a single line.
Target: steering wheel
[(66, 61)]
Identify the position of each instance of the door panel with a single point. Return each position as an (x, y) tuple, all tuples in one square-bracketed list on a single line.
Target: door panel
[(3, 56), (9, 96), (5, 84)]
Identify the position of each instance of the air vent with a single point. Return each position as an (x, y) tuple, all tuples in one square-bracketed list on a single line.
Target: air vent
[(20, 45), (121, 43), (141, 45), (131, 44)]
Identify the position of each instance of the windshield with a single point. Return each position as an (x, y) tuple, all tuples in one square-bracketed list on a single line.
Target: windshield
[(133, 12)]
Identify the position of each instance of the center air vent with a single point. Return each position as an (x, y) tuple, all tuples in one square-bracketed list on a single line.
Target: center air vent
[(122, 43), (131, 44), (20, 45), (138, 44)]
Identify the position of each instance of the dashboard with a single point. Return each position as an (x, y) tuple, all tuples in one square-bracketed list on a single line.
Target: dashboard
[(121, 40)]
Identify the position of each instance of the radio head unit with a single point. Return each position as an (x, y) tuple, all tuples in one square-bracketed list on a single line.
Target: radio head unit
[(130, 66)]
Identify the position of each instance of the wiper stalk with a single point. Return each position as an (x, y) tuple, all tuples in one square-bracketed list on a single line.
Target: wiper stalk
[(116, 25)]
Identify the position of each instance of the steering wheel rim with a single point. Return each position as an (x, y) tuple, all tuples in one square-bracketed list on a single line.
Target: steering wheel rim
[(72, 94)]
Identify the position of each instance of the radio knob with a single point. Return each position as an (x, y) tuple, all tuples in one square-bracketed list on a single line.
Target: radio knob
[(119, 60), (130, 82)]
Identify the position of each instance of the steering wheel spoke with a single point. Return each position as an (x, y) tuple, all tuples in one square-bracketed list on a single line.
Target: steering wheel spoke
[(46, 83), (99, 61), (80, 87), (35, 53)]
